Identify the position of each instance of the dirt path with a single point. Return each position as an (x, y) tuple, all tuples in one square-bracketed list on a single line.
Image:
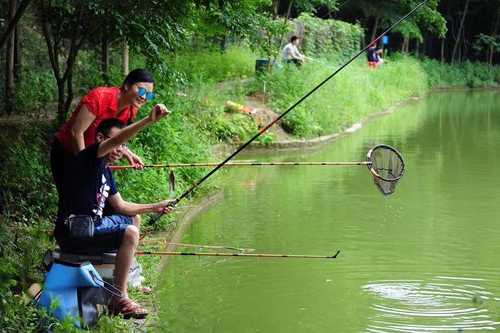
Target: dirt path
[(263, 115)]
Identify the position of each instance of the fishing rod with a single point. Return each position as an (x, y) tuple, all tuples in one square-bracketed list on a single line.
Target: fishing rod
[(238, 255), (238, 164), (221, 247), (265, 128), (200, 246)]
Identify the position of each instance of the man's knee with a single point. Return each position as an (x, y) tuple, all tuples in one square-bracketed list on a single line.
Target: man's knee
[(131, 235), (136, 220)]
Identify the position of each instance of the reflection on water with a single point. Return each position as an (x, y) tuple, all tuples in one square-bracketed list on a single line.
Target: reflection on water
[(423, 260), (441, 304)]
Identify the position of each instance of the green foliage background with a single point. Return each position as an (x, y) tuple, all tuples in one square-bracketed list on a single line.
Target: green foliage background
[(197, 84), (329, 38)]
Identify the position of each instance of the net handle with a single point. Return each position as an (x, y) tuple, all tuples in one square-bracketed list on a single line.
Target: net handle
[(375, 173)]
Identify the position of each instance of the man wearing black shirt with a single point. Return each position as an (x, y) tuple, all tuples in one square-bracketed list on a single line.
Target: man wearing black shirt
[(89, 187), (373, 55)]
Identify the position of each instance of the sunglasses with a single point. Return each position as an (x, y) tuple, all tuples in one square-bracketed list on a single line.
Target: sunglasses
[(148, 95)]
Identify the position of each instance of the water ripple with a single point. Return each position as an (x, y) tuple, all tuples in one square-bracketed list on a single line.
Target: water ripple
[(443, 304)]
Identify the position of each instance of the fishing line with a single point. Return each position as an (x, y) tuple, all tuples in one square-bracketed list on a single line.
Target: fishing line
[(264, 129)]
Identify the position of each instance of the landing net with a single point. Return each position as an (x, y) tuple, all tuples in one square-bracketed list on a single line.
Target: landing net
[(386, 166)]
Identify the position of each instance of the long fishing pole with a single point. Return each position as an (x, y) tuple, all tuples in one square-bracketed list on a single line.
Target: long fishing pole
[(238, 164), (238, 255), (243, 146), (201, 246), (220, 247)]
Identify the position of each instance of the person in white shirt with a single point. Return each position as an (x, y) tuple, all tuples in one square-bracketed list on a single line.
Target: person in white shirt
[(291, 53)]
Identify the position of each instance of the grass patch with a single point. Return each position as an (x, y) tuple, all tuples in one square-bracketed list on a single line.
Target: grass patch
[(467, 74), (351, 95), (213, 66)]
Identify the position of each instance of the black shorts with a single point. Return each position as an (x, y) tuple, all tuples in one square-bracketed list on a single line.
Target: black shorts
[(296, 62)]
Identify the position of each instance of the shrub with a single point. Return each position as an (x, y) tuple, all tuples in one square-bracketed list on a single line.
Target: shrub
[(329, 38)]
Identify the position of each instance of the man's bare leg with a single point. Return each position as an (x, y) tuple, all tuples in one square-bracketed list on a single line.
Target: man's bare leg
[(124, 258), (136, 220)]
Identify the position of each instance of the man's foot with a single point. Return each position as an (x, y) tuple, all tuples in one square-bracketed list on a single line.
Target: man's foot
[(146, 290), (127, 308)]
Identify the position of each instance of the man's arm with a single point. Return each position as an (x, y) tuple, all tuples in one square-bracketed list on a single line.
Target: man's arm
[(133, 159), (297, 54), (130, 208), (158, 112)]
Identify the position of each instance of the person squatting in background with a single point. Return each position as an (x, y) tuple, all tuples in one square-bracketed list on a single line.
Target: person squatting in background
[(291, 54), (374, 56)]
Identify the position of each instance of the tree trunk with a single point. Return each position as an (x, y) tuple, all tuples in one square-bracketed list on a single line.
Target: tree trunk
[(406, 45), (223, 38), (12, 23), (285, 22), (9, 63), (69, 95), (464, 48), (375, 28), (60, 101), (276, 6), (222, 44), (494, 33), (63, 77), (17, 52), (459, 34), (105, 59), (125, 61), (442, 50)]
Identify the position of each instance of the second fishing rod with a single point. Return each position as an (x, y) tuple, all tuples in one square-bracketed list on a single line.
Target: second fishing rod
[(238, 164), (265, 128)]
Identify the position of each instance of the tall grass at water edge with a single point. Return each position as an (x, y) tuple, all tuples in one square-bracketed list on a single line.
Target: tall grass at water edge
[(466, 75), (352, 95)]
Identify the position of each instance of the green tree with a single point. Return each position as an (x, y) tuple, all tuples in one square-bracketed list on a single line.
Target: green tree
[(219, 20), (151, 27), (381, 14)]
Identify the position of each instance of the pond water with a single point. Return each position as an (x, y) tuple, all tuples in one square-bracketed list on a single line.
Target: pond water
[(425, 259)]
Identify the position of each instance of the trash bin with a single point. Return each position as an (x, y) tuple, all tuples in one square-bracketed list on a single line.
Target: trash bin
[(261, 65)]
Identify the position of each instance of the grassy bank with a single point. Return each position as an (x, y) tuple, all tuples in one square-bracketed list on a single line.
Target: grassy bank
[(204, 81), (465, 75), (350, 96)]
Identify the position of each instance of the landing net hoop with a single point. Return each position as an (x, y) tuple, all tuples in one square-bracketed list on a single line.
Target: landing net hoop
[(387, 166)]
